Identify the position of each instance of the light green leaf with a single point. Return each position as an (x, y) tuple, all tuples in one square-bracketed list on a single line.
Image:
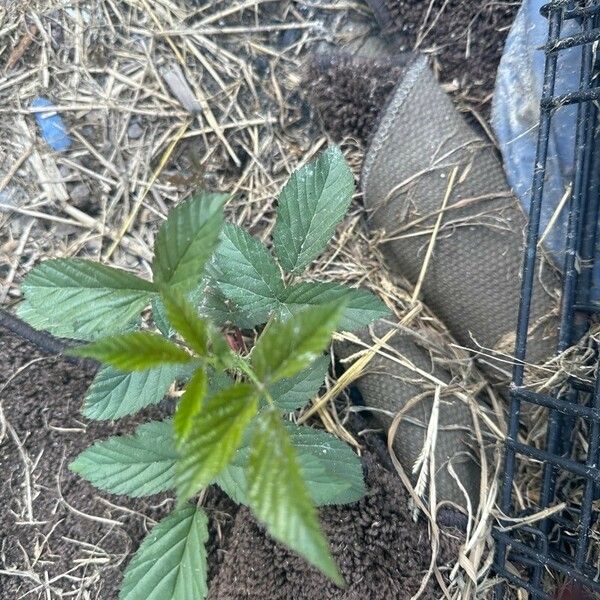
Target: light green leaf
[(190, 404), (246, 274), (137, 465), (115, 394), (136, 351), (361, 306), (286, 348), (171, 562), (185, 319), (187, 240), (313, 202), (294, 392), (216, 433), (82, 299), (279, 498), (331, 470)]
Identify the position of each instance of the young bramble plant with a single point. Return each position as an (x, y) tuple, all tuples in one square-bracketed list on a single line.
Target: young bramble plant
[(229, 427)]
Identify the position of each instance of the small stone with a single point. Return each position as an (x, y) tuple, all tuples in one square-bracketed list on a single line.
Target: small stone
[(135, 131)]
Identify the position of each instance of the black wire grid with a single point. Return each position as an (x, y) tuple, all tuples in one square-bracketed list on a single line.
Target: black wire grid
[(538, 557)]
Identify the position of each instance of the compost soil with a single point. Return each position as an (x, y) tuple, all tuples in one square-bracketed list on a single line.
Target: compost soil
[(464, 39), (60, 537)]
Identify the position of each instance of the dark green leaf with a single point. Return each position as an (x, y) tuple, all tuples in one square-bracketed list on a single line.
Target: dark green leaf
[(286, 348), (221, 310), (159, 315), (185, 319), (294, 392), (137, 465), (331, 470), (137, 351), (215, 435), (361, 306), (115, 394), (311, 205), (171, 562), (82, 299), (279, 498), (190, 404), (247, 275), (187, 240)]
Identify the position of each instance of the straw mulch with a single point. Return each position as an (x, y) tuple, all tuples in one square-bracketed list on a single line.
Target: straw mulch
[(164, 97)]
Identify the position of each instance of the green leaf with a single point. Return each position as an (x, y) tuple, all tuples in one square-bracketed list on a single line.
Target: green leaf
[(286, 348), (185, 319), (115, 394), (171, 562), (331, 470), (216, 433), (159, 315), (294, 392), (82, 299), (136, 351), (361, 306), (220, 309), (311, 205), (279, 498), (190, 404), (246, 274), (187, 240), (137, 465)]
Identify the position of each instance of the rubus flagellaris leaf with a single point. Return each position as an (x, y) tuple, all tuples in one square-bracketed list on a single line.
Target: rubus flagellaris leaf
[(287, 347), (312, 203), (279, 497), (170, 564), (214, 436), (136, 351), (82, 299), (187, 240)]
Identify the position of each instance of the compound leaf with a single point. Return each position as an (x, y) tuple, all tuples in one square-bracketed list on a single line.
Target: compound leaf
[(361, 307), (279, 498), (187, 240), (136, 351), (294, 392), (214, 436), (115, 394), (82, 299), (247, 275), (171, 562), (137, 465), (312, 203), (286, 348)]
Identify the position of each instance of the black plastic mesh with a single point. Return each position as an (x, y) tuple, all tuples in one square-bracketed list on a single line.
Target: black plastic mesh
[(541, 556)]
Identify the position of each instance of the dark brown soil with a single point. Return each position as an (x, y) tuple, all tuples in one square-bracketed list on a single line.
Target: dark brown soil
[(465, 44), (381, 552), (466, 37), (73, 541)]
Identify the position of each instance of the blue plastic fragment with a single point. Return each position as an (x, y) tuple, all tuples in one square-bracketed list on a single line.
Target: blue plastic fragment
[(52, 126)]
